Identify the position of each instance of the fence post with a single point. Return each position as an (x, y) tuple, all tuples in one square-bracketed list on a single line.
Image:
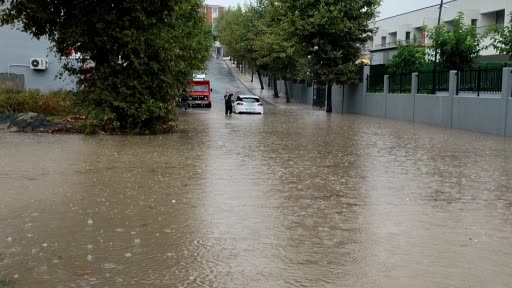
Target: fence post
[(452, 90), (386, 92), (506, 91), (414, 91)]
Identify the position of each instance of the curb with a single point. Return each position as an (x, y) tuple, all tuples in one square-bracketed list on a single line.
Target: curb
[(248, 89)]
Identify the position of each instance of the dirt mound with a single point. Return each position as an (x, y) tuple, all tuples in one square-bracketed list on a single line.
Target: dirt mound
[(32, 123)]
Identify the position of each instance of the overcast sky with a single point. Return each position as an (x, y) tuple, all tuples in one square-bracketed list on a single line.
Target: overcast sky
[(389, 7)]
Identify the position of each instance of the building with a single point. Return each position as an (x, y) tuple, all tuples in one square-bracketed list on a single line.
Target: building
[(17, 52), (212, 13), (408, 27)]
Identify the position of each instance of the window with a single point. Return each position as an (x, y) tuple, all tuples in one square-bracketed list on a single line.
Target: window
[(407, 36), (383, 40), (500, 17), (197, 88), (474, 22), (250, 100)]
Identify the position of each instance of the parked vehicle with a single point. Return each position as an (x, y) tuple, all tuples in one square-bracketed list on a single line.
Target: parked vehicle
[(199, 95), (248, 104)]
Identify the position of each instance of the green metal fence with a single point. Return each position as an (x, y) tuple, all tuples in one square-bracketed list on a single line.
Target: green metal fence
[(375, 80), (488, 80), (400, 83), (427, 85)]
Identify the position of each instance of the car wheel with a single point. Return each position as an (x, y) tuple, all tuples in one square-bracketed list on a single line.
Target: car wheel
[(209, 105)]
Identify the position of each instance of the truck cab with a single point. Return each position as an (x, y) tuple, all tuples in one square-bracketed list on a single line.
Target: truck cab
[(199, 93)]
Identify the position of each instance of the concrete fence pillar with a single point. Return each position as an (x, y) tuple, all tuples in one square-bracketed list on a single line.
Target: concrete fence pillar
[(366, 73), (506, 91), (414, 91), (452, 92), (507, 83), (386, 92)]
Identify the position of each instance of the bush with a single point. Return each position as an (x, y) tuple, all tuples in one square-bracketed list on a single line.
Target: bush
[(58, 103)]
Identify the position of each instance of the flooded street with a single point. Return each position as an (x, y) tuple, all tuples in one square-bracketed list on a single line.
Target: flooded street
[(294, 198)]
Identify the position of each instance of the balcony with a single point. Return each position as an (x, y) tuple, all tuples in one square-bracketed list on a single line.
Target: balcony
[(391, 45), (483, 29)]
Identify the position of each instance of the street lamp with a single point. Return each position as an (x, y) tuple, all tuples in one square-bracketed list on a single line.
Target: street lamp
[(434, 76)]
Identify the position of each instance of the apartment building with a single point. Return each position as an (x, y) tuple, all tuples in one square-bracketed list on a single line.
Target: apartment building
[(408, 27), (212, 13)]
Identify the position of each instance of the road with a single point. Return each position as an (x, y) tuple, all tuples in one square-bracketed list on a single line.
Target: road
[(293, 198)]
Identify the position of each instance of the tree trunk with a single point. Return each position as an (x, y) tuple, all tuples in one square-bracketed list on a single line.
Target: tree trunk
[(286, 92), (328, 107), (261, 80), (276, 92), (252, 76)]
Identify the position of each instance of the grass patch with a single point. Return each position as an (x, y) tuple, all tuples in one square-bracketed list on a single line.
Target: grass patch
[(71, 108), (57, 103), (6, 284)]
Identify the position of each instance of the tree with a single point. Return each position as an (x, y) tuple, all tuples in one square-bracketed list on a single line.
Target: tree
[(502, 39), (331, 33), (409, 58), (277, 51), (458, 47), (238, 31), (144, 52)]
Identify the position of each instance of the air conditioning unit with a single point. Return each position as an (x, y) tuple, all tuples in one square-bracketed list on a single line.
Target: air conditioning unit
[(38, 63)]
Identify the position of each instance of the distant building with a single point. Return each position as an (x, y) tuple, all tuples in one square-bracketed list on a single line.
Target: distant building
[(408, 27), (212, 13)]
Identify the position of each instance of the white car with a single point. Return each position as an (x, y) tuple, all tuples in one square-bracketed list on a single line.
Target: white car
[(247, 104)]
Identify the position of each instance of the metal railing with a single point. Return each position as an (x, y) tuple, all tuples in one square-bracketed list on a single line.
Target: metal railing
[(480, 80), (375, 83), (400, 83), (395, 43), (427, 85)]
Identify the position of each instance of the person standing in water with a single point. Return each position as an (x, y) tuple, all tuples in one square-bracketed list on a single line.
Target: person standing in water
[(228, 102)]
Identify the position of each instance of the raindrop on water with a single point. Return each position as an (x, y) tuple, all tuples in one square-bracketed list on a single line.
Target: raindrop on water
[(89, 258), (137, 241), (9, 239), (128, 254), (89, 222)]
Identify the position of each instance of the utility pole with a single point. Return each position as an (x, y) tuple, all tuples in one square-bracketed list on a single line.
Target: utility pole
[(434, 76)]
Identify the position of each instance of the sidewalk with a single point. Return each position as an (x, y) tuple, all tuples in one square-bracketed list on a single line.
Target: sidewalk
[(255, 88)]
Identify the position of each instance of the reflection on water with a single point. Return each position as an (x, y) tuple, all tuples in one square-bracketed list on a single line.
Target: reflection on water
[(295, 198)]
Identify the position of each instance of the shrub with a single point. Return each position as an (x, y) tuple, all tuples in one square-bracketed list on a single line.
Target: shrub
[(57, 103)]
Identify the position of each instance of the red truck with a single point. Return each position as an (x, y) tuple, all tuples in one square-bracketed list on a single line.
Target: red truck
[(198, 92)]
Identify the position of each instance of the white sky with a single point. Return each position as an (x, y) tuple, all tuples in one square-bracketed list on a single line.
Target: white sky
[(388, 8)]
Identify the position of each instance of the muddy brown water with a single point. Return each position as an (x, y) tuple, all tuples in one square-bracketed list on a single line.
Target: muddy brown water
[(294, 198)]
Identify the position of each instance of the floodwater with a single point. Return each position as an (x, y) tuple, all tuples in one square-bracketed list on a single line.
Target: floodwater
[(294, 198)]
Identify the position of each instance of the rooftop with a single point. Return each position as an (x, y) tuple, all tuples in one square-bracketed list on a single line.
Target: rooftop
[(428, 7)]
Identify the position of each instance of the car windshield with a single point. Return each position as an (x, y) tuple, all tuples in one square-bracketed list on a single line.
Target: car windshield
[(197, 88), (250, 100)]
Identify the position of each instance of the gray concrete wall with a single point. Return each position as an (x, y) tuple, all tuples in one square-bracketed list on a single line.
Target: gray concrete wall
[(337, 99), (18, 47), (433, 110), (509, 118), (479, 114), (400, 107), (489, 113), (375, 105), (13, 81), (354, 99)]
